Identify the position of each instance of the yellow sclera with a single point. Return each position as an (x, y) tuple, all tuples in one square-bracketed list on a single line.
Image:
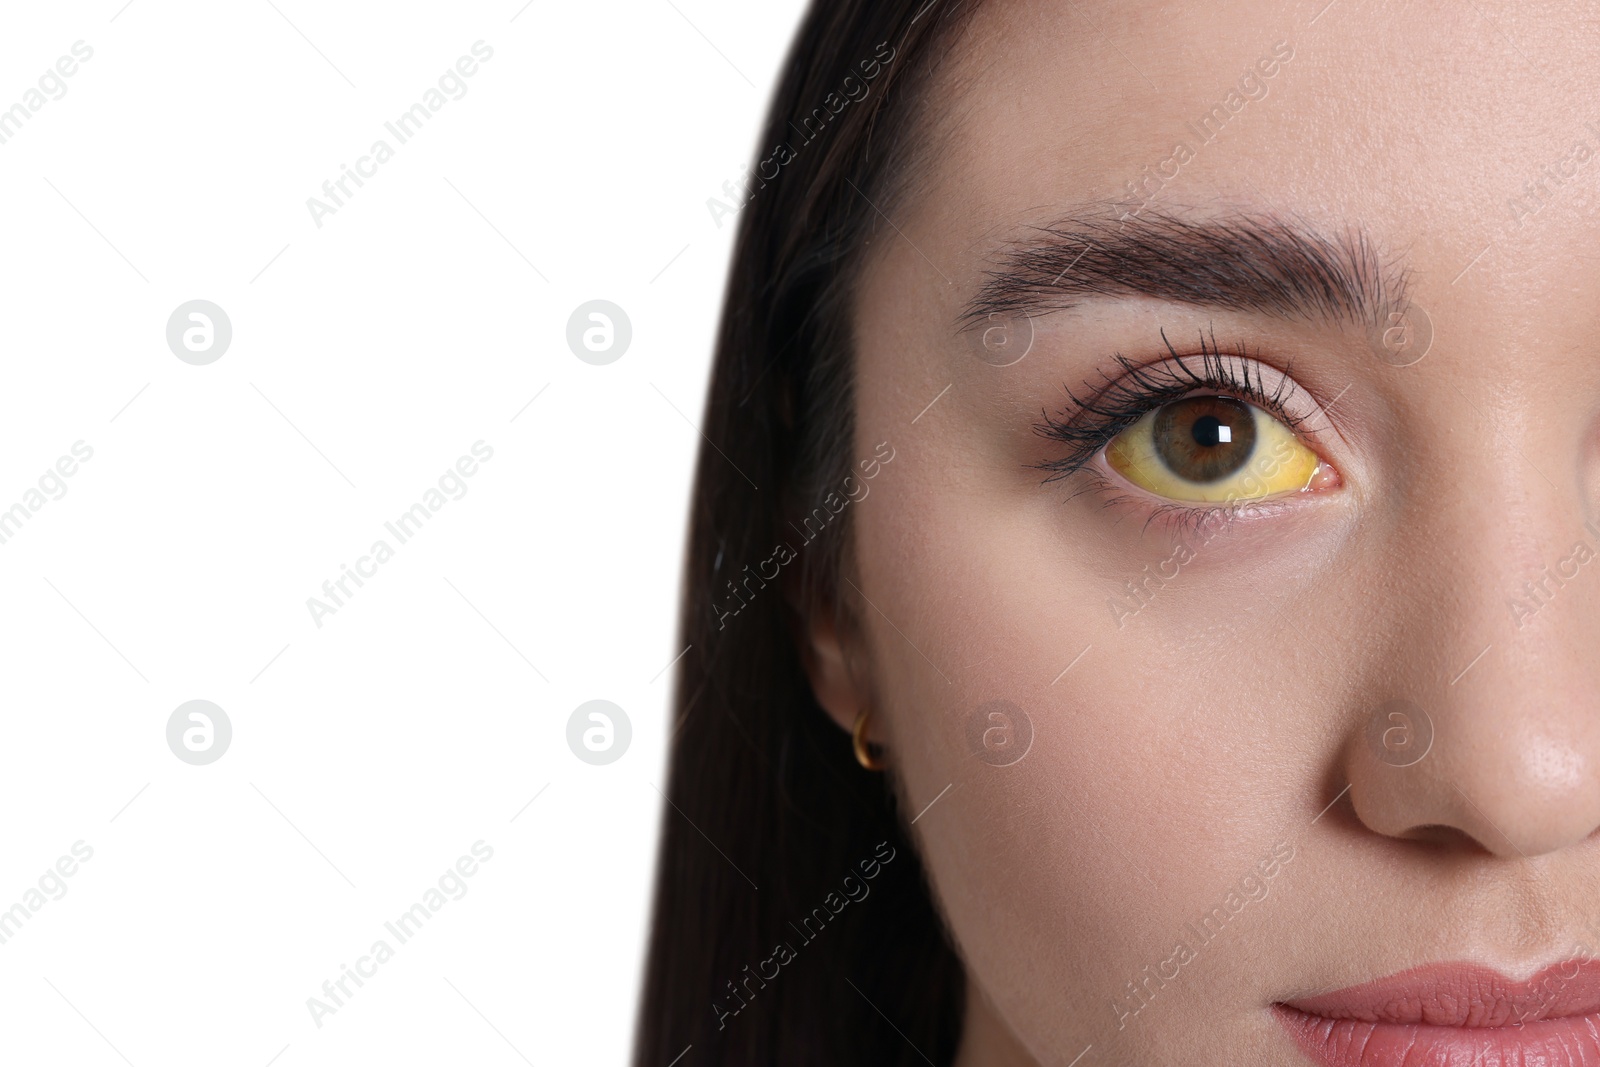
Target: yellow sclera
[(1277, 463)]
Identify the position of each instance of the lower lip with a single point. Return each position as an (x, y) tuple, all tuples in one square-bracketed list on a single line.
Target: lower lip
[(1571, 1041)]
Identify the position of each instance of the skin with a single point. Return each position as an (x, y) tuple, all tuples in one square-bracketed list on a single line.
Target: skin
[(1234, 707)]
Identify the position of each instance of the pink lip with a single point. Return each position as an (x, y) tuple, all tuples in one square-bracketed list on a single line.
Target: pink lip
[(1455, 1015)]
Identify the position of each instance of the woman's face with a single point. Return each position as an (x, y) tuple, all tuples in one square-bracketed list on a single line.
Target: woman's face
[(1351, 730)]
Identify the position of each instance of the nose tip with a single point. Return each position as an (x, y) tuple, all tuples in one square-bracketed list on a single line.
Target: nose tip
[(1504, 783)]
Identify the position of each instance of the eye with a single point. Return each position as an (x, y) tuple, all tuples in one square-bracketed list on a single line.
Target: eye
[(1212, 449)]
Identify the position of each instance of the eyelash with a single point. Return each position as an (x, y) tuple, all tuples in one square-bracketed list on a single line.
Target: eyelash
[(1089, 424)]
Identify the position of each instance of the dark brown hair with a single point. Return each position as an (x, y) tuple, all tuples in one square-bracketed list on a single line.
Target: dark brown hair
[(778, 852)]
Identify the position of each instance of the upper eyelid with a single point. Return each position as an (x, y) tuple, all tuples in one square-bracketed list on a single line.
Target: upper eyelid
[(1211, 368), (1287, 396)]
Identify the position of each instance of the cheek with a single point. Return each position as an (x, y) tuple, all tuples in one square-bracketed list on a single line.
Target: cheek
[(1067, 870)]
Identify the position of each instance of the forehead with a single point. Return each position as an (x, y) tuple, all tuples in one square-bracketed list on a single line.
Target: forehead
[(1442, 130)]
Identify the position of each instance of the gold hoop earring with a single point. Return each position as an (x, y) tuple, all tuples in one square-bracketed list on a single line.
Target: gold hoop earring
[(864, 749)]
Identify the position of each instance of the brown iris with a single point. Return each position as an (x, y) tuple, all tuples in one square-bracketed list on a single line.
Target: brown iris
[(1204, 438)]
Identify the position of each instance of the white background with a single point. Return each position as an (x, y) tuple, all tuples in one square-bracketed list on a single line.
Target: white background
[(371, 752)]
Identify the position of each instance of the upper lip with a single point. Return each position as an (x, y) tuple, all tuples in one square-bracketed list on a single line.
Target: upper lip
[(1465, 995)]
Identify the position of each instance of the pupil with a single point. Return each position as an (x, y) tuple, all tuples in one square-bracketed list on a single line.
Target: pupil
[(1208, 431)]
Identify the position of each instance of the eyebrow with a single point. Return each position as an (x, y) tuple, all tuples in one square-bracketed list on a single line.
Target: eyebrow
[(1259, 264)]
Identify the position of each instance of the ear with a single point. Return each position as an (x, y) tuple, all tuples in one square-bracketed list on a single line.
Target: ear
[(828, 662)]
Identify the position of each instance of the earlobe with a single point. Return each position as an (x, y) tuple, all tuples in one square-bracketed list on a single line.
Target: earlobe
[(869, 755)]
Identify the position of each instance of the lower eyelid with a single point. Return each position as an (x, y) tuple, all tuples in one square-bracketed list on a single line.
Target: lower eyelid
[(1175, 518)]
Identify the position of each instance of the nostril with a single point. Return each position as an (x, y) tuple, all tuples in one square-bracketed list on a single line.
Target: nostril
[(1442, 836)]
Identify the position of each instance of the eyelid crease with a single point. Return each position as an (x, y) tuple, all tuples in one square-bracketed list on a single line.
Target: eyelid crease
[(1122, 399)]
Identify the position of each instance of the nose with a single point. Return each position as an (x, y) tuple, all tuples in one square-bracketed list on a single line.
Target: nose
[(1508, 783), (1485, 733)]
